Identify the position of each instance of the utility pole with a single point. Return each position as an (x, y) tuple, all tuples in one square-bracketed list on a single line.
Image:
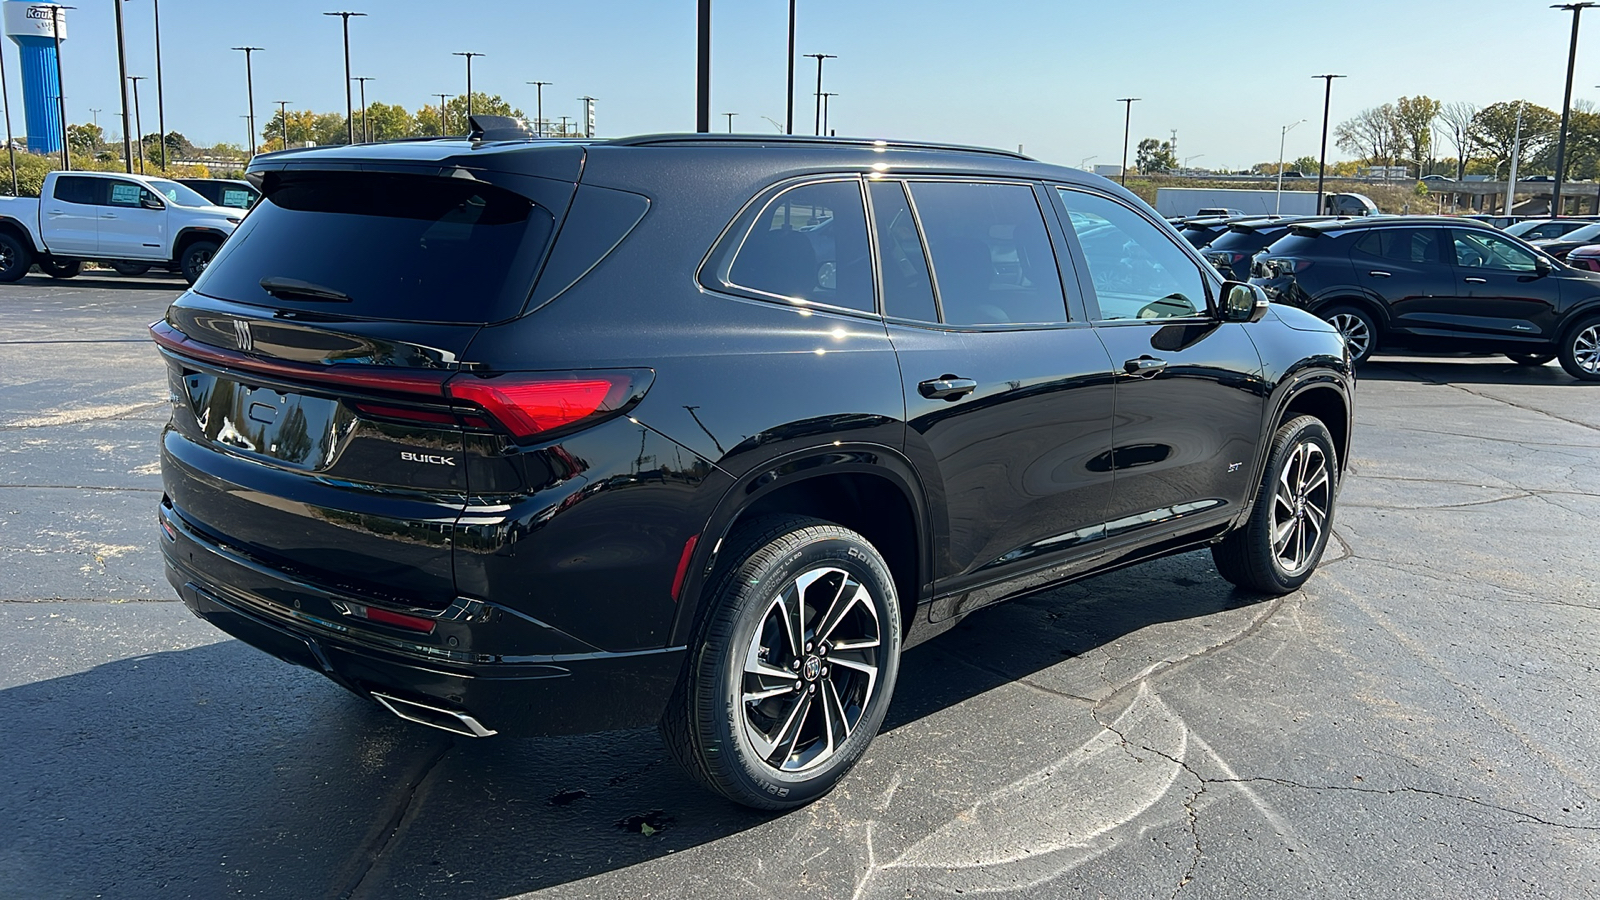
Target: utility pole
[(564, 126), (5, 96), (1322, 164), (161, 95), (283, 121), (138, 120), (1277, 203), (1566, 105), (366, 129), (538, 111), (730, 121), (789, 97), (1127, 123), (443, 112), (349, 114), (702, 69), (61, 91), (819, 57), (1511, 176), (825, 96), (250, 90), (122, 85), (469, 55)]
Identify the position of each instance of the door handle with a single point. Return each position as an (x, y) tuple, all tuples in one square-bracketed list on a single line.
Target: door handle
[(108, 215), (947, 387), (1144, 366), (1476, 280), (1378, 274)]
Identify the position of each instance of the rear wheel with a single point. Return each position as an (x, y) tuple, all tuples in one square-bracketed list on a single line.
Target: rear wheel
[(792, 667), (61, 268), (130, 269), (1281, 543), (15, 259), (195, 258), (1358, 328), (1530, 359), (1580, 350)]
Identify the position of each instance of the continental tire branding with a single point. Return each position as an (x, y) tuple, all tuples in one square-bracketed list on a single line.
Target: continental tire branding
[(427, 458)]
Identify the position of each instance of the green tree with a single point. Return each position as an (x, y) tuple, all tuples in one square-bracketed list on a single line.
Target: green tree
[(388, 122), (1494, 131), (1305, 165), (328, 129), (1155, 156), (487, 104), (85, 138), (1413, 128)]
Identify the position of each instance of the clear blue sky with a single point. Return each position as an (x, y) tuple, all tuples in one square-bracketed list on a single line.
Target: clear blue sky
[(1227, 74)]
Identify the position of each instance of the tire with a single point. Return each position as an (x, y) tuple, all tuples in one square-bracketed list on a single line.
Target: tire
[(61, 268), (1360, 330), (195, 258), (785, 748), (1296, 499), (15, 259), (130, 269), (1580, 350), (1530, 359)]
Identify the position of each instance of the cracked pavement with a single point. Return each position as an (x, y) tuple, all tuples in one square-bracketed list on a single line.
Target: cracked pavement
[(1419, 721)]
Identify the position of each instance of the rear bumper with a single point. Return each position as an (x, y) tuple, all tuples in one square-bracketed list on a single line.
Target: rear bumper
[(511, 673)]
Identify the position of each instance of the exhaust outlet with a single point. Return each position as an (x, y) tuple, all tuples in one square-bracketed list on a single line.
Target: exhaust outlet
[(434, 717)]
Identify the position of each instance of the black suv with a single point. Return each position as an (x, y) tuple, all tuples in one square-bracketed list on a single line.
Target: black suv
[(1234, 251), (1432, 283), (539, 436)]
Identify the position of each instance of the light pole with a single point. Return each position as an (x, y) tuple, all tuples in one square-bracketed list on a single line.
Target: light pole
[(1084, 163), (349, 114), (161, 95), (702, 68), (825, 96), (1566, 104), (1277, 203), (250, 91), (469, 55), (443, 111), (588, 115), (730, 121), (61, 91), (1190, 159), (5, 96), (538, 111), (138, 120), (819, 57), (1322, 164), (789, 60), (1127, 122), (283, 121), (366, 129), (122, 85)]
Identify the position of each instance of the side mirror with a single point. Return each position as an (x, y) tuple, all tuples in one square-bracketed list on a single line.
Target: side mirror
[(1242, 302), (1542, 265), (151, 203)]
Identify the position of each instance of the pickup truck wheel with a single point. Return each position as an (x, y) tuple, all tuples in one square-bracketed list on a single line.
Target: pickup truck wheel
[(14, 259), (195, 259), (61, 268), (792, 666), (1279, 546), (130, 269)]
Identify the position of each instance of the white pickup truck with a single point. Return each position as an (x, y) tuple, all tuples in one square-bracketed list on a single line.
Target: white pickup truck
[(133, 222)]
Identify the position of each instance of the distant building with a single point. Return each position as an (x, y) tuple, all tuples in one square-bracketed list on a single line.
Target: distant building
[(1108, 171)]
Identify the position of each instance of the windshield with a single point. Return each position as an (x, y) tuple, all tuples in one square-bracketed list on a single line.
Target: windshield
[(177, 193), (1583, 235)]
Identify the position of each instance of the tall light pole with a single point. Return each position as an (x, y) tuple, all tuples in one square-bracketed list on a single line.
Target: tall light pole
[(138, 120), (1127, 123), (122, 86), (730, 121), (61, 91), (443, 111), (819, 57), (250, 91), (1277, 203), (789, 97), (283, 121), (5, 96), (469, 55), (702, 68), (1566, 104), (366, 129), (161, 96), (588, 115), (1322, 163), (825, 96), (349, 114), (538, 111)]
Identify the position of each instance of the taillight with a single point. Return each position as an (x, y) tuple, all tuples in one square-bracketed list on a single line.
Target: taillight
[(535, 404), (1279, 266)]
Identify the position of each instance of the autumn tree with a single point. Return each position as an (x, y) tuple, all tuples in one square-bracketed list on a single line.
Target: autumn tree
[(1413, 128), (389, 121), (1494, 131)]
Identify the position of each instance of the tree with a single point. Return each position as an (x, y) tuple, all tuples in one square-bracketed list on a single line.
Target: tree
[(1457, 117), (1372, 135), (427, 121), (301, 129), (1155, 156), (85, 138), (1494, 131), (388, 122), (1413, 127), (482, 104), (328, 129), (1305, 165)]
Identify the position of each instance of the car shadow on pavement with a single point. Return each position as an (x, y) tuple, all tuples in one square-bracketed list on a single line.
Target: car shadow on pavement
[(1465, 370), (107, 281), (217, 770)]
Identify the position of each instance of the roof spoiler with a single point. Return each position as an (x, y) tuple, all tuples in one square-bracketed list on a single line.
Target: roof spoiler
[(499, 128)]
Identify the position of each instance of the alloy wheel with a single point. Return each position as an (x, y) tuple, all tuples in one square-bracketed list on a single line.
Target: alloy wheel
[(1300, 507), (7, 257), (1357, 333), (1586, 349), (810, 670)]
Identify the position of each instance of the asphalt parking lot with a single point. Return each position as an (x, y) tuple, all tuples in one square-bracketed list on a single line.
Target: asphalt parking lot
[(1420, 721)]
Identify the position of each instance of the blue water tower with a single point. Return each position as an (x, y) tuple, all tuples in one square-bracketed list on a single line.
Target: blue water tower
[(33, 26)]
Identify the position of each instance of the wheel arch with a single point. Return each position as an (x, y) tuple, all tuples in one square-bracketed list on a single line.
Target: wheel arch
[(188, 236), (870, 489), (1324, 399), (19, 231), (1376, 308)]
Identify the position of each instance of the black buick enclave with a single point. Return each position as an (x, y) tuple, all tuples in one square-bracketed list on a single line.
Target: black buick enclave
[(534, 436)]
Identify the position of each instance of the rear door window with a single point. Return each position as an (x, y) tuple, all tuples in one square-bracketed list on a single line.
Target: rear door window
[(1418, 246), (809, 244), (991, 253), (401, 247), (77, 189)]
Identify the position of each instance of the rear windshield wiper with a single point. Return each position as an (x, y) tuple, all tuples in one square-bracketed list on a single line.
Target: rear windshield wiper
[(294, 288)]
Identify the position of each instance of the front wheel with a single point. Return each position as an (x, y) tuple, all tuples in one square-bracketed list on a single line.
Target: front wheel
[(792, 668), (61, 268), (195, 258), (15, 258), (1357, 327), (1580, 350), (1281, 543)]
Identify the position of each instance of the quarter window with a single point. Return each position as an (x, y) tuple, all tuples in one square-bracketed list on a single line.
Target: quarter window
[(903, 271), (1479, 250), (992, 258), (810, 244), (1138, 272)]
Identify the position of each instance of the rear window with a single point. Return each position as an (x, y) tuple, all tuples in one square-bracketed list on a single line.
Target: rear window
[(1295, 245), (1253, 239), (402, 247)]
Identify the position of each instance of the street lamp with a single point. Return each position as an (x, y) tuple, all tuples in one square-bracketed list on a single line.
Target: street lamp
[(469, 55), (349, 114), (730, 121), (122, 86), (161, 95), (1277, 203), (819, 57), (283, 121), (789, 104), (61, 94), (702, 68), (138, 120), (1566, 104), (443, 111), (825, 96), (1127, 122), (250, 91), (1322, 165), (538, 111), (5, 96), (1084, 163), (366, 129), (588, 115)]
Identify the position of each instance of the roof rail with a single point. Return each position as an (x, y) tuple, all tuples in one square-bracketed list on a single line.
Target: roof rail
[(656, 140)]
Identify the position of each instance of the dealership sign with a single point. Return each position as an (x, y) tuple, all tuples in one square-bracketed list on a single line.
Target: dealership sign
[(35, 19)]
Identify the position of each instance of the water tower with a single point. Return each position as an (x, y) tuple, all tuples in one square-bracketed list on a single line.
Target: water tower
[(32, 26)]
